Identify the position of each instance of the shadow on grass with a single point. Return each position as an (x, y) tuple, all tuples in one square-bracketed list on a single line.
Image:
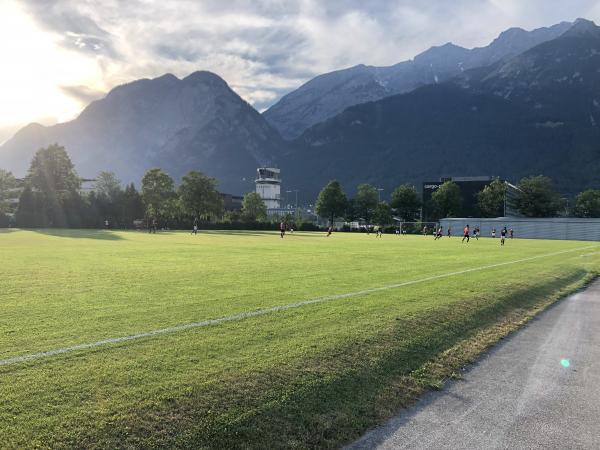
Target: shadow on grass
[(104, 235), (331, 398)]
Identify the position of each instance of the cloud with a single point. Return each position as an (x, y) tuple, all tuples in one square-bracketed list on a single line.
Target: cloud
[(267, 48), (83, 94)]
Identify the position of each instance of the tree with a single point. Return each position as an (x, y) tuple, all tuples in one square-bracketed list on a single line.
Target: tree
[(366, 200), (587, 203), (199, 196), (447, 200), (537, 197), (331, 202), (405, 201), (28, 212), (53, 176), (8, 183), (253, 208), (491, 199), (157, 189), (383, 214), (132, 204), (108, 186)]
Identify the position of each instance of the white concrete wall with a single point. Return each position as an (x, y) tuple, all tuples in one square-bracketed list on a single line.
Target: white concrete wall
[(551, 228)]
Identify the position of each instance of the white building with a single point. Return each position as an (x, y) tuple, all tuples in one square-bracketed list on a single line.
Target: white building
[(268, 186)]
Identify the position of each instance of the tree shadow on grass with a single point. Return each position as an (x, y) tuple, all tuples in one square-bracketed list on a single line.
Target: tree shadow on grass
[(331, 398), (104, 235)]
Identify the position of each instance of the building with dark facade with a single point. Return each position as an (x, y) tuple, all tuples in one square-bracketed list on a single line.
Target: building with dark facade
[(231, 202), (469, 188)]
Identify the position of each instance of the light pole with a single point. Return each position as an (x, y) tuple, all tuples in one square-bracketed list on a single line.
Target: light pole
[(379, 194)]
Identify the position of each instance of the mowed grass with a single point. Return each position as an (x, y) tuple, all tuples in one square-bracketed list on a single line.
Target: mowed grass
[(315, 376)]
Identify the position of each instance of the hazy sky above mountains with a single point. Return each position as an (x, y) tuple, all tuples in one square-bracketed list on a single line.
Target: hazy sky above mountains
[(58, 55)]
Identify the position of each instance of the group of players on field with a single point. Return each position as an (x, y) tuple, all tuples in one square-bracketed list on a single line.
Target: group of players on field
[(438, 233)]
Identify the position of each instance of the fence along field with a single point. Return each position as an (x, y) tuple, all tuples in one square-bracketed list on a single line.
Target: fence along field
[(264, 380)]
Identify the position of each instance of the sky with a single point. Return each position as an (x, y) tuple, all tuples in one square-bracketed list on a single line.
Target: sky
[(56, 56)]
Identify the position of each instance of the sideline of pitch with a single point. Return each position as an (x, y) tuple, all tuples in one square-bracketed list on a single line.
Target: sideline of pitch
[(263, 311)]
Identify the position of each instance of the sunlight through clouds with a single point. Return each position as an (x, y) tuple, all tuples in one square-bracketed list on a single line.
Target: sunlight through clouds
[(58, 55), (34, 68)]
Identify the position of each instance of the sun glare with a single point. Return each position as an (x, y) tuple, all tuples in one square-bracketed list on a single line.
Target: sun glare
[(34, 67)]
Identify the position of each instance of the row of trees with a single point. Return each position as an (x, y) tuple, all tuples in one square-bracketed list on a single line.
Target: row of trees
[(536, 198), (52, 197), (332, 202)]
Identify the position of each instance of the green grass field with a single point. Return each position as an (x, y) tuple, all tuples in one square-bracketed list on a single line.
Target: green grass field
[(316, 375)]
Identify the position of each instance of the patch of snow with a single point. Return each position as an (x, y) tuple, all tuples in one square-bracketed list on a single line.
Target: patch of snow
[(549, 124)]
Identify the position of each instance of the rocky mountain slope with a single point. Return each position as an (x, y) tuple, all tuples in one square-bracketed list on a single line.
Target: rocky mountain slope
[(329, 94), (538, 112), (196, 123)]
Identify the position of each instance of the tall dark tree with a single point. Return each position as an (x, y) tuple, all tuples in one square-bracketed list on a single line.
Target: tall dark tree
[(133, 206), (587, 203), (53, 176), (331, 202), (538, 198), (253, 208), (447, 200), (383, 214), (29, 214), (199, 196), (158, 189), (366, 200), (405, 201), (491, 199), (8, 184)]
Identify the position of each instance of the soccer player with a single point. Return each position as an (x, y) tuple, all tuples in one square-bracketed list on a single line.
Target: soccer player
[(397, 231), (512, 233), (439, 233), (503, 235), (449, 231), (466, 234), (379, 232), (476, 233), (282, 229), (493, 232), (329, 231)]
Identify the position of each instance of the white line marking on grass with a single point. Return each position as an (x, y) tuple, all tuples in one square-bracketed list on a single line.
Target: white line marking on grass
[(263, 311)]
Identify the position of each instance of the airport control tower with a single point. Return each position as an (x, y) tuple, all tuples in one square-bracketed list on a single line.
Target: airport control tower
[(268, 186)]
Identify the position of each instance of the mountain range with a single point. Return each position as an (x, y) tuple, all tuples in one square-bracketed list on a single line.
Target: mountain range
[(528, 103), (179, 125), (329, 94)]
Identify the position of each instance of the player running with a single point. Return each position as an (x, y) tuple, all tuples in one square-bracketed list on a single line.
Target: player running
[(503, 235), (329, 231), (476, 233), (512, 233), (439, 233), (282, 229), (449, 232), (466, 234)]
